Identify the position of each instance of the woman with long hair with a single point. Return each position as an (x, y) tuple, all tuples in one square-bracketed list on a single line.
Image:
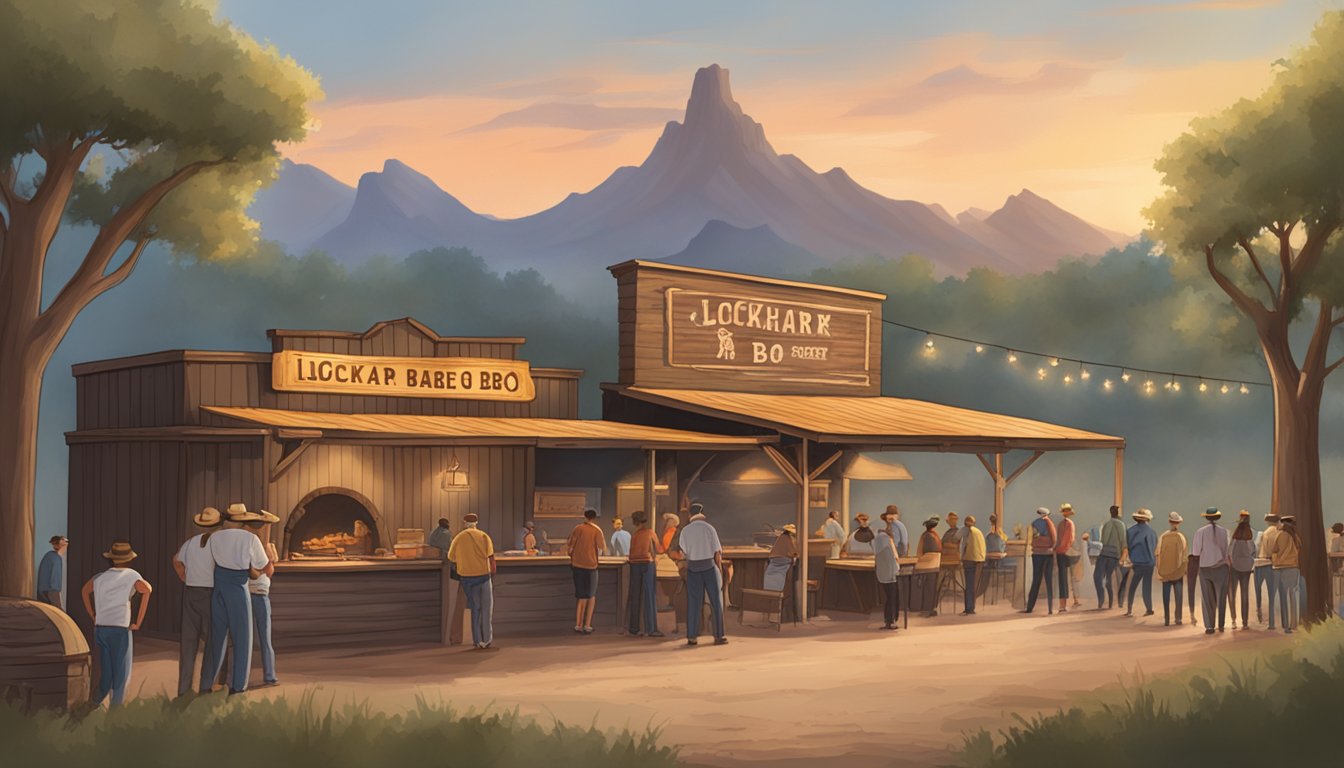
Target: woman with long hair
[(1284, 558), (1241, 558)]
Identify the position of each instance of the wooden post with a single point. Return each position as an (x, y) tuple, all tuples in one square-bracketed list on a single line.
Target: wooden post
[(446, 588), (999, 487), (650, 479), (803, 532), (1120, 479)]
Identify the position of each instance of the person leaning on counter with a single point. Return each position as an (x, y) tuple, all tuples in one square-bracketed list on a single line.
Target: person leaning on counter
[(644, 548), (782, 555), (860, 542), (473, 554), (586, 544)]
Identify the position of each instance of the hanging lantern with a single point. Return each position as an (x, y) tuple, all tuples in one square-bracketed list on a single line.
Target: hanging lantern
[(454, 477)]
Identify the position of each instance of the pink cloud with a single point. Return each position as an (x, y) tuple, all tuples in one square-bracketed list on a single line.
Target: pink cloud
[(964, 82)]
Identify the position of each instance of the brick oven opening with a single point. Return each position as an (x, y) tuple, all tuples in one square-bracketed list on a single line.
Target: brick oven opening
[(332, 525)]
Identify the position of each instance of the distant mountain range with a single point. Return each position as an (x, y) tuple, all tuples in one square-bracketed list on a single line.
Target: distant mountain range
[(712, 193)]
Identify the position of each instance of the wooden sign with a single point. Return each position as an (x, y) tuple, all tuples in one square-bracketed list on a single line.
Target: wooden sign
[(552, 504), (466, 378)]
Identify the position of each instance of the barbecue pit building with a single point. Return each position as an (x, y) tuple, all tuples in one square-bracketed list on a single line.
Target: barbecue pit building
[(351, 438)]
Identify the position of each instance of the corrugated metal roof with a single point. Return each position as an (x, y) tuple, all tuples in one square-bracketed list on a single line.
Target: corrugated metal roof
[(542, 432), (877, 420)]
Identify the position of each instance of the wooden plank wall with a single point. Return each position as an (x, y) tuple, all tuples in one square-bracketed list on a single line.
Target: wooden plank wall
[(149, 396), (403, 484), (133, 491), (539, 600), (374, 608)]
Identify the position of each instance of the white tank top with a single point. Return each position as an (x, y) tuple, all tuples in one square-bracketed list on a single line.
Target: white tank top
[(112, 590)]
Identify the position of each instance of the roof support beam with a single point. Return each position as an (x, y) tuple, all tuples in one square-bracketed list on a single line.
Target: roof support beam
[(288, 460), (825, 465), (785, 466)]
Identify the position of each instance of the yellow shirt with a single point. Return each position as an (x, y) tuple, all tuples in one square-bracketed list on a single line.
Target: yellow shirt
[(974, 544), (471, 551), (1172, 554), (1284, 554)]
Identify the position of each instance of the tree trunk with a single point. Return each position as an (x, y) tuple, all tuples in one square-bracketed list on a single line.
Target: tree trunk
[(20, 390), (1297, 479)]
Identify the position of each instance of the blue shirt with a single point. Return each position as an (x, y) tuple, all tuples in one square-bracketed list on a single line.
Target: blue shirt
[(901, 537), (1142, 544), (51, 572), (620, 543)]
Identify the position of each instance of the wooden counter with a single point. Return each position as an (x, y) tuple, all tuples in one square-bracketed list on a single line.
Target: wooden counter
[(356, 602), (850, 584), (534, 595)]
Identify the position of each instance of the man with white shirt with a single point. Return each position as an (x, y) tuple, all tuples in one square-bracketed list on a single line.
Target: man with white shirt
[(704, 559), (107, 598), (236, 551), (195, 566), (1210, 547)]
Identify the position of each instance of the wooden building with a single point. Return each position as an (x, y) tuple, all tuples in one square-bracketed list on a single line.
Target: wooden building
[(392, 428)]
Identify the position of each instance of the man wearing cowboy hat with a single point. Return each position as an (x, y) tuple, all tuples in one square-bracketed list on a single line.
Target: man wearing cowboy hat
[(1171, 555), (107, 598), (195, 566), (973, 557), (1042, 560), (892, 517), (1210, 548), (1066, 553), (1142, 545), (930, 553), (236, 552)]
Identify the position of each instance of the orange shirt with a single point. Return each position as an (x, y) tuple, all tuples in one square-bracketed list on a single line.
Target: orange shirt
[(669, 534), (643, 544), (585, 543)]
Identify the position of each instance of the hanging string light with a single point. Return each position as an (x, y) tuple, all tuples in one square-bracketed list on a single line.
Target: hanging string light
[(1172, 383)]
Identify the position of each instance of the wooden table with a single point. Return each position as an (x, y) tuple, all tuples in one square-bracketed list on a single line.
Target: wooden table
[(866, 598)]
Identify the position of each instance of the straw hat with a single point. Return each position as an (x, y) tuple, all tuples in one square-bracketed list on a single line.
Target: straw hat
[(1066, 508), (671, 518), (861, 518), (1175, 517), (1244, 514), (1043, 511), (207, 518), (239, 513), (790, 529), (470, 517), (1143, 514), (1287, 519), (1211, 513), (121, 552)]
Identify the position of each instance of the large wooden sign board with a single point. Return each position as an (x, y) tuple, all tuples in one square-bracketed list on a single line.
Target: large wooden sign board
[(690, 328), (467, 378)]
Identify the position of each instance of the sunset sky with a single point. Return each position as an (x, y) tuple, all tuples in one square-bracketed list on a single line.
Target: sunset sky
[(510, 106)]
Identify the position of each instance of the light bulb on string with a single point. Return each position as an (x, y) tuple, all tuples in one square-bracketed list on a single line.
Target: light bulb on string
[(1041, 374), (1054, 362), (1245, 390), (1223, 389), (1148, 387), (1084, 374), (1012, 356), (1107, 384), (1203, 386), (979, 348), (1175, 386), (928, 341), (1124, 375), (1068, 378)]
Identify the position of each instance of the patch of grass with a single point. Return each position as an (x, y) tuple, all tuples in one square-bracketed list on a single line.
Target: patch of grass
[(1261, 709), (210, 732)]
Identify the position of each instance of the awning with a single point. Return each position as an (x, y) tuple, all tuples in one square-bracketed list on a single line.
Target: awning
[(877, 422), (865, 467), (543, 433)]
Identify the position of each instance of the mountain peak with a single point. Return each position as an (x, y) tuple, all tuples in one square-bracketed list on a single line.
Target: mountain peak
[(714, 126), (710, 93)]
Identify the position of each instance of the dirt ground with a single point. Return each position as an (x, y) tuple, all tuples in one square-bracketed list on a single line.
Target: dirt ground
[(837, 686)]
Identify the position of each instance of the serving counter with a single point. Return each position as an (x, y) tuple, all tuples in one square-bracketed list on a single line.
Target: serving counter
[(371, 602), (534, 595)]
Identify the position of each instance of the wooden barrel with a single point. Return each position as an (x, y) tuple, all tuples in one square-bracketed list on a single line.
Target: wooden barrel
[(43, 655)]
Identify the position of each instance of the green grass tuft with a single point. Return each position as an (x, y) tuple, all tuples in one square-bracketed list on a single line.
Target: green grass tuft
[(211, 732)]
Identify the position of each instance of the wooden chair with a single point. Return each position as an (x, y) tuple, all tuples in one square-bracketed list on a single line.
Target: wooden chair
[(765, 601)]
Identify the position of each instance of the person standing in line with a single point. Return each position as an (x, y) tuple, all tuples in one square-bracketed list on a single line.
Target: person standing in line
[(1192, 584), (834, 530), (1172, 553), (782, 556), (886, 567), (996, 540), (860, 542), (1042, 560), (473, 554), (973, 554), (1210, 549), (1241, 561), (1112, 549), (1285, 559), (236, 554), (441, 538), (529, 529), (1264, 568), (1141, 543), (51, 573), (107, 598), (620, 539), (584, 547), (1066, 547), (259, 590), (892, 518), (195, 566), (670, 525), (704, 561), (644, 549), (930, 553)]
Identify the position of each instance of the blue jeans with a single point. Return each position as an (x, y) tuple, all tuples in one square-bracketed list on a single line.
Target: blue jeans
[(230, 621), (643, 599), (1101, 579), (481, 601), (1290, 582), (1142, 573), (1168, 587), (114, 662), (1042, 568), (1273, 581), (972, 573), (261, 617), (698, 584)]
